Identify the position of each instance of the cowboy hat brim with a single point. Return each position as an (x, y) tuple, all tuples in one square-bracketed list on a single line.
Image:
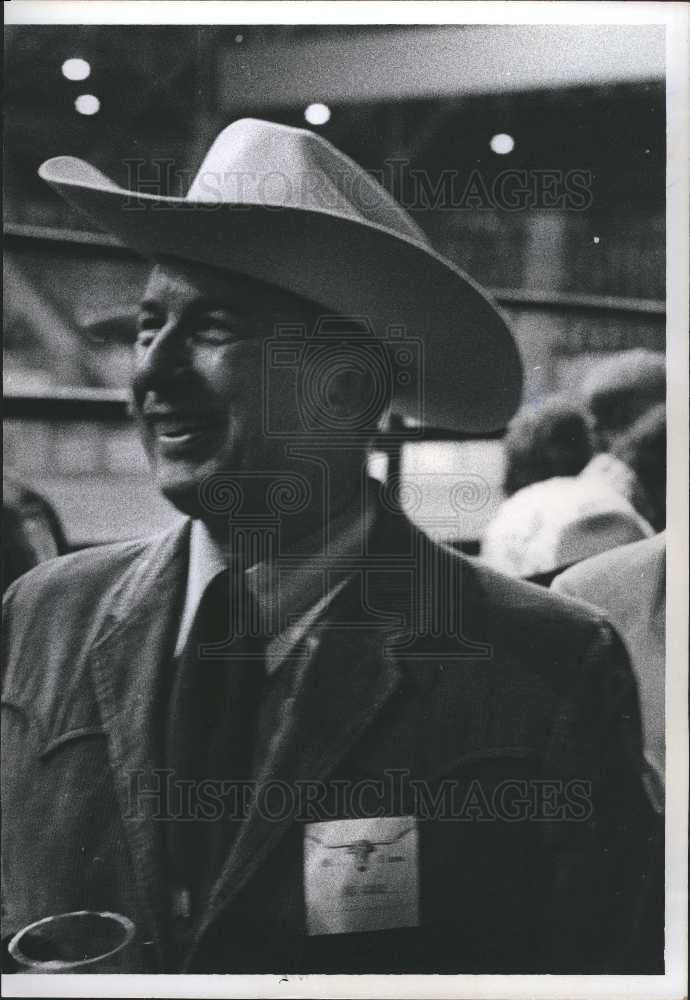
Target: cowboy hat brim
[(472, 374)]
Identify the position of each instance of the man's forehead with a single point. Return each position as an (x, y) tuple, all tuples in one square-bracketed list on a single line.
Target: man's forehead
[(172, 279), (173, 276)]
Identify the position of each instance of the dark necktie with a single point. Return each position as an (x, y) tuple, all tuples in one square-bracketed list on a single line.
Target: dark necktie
[(211, 730)]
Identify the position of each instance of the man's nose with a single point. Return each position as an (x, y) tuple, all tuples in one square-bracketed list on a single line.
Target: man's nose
[(166, 355)]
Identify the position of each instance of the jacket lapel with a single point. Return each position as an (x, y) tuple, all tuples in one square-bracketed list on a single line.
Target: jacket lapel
[(128, 665), (346, 677)]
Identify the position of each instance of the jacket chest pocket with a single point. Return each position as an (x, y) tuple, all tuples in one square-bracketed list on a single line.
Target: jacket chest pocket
[(57, 782), (63, 843), (36, 751)]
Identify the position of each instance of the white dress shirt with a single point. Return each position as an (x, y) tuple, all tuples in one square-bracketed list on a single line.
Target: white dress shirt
[(294, 590)]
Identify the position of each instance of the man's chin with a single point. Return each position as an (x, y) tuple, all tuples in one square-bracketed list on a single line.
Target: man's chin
[(184, 496), (198, 494)]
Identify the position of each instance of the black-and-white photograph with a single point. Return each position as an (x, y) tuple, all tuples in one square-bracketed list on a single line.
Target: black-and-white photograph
[(337, 366)]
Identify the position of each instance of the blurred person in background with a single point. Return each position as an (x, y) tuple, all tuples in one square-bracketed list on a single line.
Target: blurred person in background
[(619, 495), (628, 585), (643, 450), (620, 389), (616, 393), (544, 440)]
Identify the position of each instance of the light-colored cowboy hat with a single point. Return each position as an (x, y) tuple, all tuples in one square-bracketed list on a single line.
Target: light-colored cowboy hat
[(282, 205)]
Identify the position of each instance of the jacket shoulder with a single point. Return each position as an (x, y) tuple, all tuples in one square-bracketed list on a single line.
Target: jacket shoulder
[(53, 612), (529, 631), (517, 601), (86, 570), (511, 605)]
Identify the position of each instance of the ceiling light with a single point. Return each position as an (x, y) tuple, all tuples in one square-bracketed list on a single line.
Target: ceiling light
[(502, 143), (87, 104), (76, 69), (317, 114)]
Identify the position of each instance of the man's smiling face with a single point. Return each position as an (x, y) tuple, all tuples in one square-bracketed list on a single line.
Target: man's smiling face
[(198, 382)]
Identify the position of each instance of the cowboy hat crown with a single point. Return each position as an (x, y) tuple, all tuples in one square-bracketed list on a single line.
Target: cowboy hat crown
[(298, 169)]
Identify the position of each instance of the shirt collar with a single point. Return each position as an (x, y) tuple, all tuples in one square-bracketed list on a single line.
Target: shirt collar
[(206, 560), (291, 592)]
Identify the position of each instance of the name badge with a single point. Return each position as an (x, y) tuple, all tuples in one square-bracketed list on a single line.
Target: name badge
[(361, 875)]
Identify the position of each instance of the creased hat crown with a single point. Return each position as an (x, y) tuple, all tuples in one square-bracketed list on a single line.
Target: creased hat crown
[(260, 163)]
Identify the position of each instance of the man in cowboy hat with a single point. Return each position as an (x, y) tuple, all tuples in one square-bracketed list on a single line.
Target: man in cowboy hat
[(294, 733)]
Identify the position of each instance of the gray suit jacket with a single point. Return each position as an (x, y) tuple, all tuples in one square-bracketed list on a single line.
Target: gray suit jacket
[(428, 666)]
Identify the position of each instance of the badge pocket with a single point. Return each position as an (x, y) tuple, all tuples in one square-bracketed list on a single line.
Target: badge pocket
[(361, 875)]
